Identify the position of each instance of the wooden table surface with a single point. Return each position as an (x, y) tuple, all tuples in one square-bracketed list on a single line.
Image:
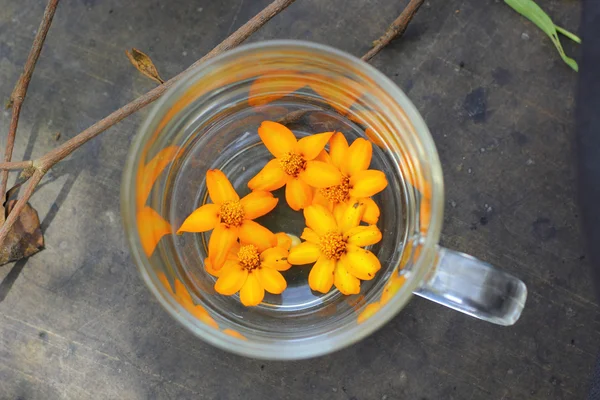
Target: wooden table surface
[(76, 321)]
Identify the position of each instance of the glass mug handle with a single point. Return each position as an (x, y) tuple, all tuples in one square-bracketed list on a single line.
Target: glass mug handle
[(473, 287)]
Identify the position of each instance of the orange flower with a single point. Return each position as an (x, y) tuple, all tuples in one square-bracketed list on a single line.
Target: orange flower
[(295, 165), (335, 244), (230, 217), (252, 268), (358, 182), (284, 241)]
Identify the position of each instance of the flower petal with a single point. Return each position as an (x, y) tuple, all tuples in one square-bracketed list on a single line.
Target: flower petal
[(208, 266), (278, 139), (258, 203), (298, 194), (151, 228), (319, 219), (324, 156), (271, 280), (338, 212), (201, 314), (271, 177), (343, 280), (392, 287), (371, 215), (367, 183), (148, 174), (310, 236), (252, 293), (310, 146), (338, 149), (304, 253), (219, 187), (253, 233), (364, 235), (361, 263), (318, 198), (234, 333), (231, 280), (368, 312), (182, 294), (284, 240), (351, 216), (272, 85), (321, 175), (219, 244), (275, 257), (320, 278), (165, 281), (202, 219), (358, 157)]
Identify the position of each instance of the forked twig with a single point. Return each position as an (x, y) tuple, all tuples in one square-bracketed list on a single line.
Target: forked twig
[(20, 91)]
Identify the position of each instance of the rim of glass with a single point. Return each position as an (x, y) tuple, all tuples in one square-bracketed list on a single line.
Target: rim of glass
[(322, 344)]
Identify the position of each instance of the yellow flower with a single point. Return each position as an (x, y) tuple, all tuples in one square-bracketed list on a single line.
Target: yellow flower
[(251, 269), (335, 244), (295, 165), (284, 241), (358, 182), (230, 217)]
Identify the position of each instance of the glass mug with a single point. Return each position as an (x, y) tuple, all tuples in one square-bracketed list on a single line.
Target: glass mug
[(209, 120)]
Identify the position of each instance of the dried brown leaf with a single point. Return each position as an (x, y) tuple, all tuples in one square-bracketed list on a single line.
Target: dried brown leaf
[(144, 64), (25, 236)]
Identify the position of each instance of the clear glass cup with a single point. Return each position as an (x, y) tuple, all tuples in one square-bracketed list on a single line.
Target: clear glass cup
[(209, 119)]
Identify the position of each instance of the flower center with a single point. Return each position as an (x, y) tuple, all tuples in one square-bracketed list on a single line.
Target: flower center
[(339, 193), (249, 257), (292, 163), (232, 213), (332, 245)]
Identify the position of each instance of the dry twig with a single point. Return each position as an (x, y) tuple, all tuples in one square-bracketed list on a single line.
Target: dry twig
[(18, 95), (395, 30)]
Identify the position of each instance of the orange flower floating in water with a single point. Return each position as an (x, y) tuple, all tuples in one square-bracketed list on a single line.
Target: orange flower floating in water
[(358, 182), (335, 244), (230, 217), (252, 269), (295, 165)]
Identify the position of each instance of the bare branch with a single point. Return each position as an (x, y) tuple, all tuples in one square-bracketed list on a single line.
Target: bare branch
[(16, 165), (396, 29), (18, 95)]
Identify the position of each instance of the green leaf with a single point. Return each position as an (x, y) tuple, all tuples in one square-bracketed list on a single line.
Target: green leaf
[(530, 10)]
